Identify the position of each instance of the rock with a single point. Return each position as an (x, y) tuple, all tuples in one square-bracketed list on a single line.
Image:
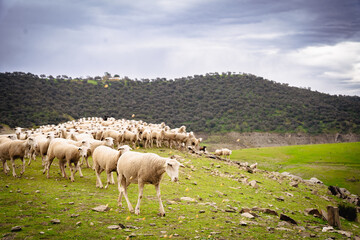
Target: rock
[(312, 211), (71, 203), (315, 180), (245, 210), (242, 223), (269, 211), (287, 219), (37, 191), (333, 216), (74, 215), (16, 229), (152, 224), (101, 208), (328, 229), (188, 199), (289, 194), (254, 184), (113, 227), (281, 198), (247, 215), (78, 223), (345, 233), (284, 229), (231, 210), (294, 184), (55, 221), (202, 211)]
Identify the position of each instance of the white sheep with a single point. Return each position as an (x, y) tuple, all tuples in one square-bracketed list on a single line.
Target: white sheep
[(105, 158), (66, 153), (109, 141), (144, 168), (14, 149)]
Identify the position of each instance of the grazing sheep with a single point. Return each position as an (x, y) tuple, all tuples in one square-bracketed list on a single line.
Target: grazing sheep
[(226, 152), (223, 152), (170, 138), (41, 148), (14, 149), (144, 168), (116, 135), (66, 153), (106, 158)]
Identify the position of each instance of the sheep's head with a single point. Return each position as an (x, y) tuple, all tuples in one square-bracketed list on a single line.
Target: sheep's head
[(109, 141), (172, 169), (83, 151), (32, 142)]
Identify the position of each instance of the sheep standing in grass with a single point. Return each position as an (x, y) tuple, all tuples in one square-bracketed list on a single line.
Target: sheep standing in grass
[(14, 149), (106, 158), (66, 153), (109, 142), (144, 168), (223, 152)]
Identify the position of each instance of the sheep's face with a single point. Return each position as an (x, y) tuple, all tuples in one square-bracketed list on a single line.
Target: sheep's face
[(172, 169), (109, 141), (83, 151)]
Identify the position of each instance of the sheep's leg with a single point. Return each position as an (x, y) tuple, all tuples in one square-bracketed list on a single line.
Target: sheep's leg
[(72, 171), (98, 180), (119, 178), (23, 166), (112, 178), (62, 169), (158, 194), (5, 166), (109, 178), (78, 168), (13, 167), (141, 189), (87, 162), (124, 186), (49, 162), (30, 159)]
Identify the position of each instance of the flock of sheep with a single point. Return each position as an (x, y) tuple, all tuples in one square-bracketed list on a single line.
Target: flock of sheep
[(74, 141)]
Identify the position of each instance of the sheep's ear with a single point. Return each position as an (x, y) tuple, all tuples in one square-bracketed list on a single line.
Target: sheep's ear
[(182, 165)]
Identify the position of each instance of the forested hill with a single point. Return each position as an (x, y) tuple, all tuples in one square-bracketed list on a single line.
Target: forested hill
[(205, 103)]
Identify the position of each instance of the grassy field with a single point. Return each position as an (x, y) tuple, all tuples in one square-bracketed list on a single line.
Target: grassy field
[(32, 201), (334, 164)]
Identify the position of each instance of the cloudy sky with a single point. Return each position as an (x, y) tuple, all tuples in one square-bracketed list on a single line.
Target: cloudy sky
[(305, 43)]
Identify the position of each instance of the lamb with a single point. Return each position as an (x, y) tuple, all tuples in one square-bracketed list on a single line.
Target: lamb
[(106, 158), (14, 149), (66, 153), (144, 168)]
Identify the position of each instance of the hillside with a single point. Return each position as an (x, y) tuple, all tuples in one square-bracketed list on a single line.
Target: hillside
[(204, 103), (213, 200)]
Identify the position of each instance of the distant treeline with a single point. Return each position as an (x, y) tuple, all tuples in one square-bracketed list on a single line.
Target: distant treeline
[(204, 103)]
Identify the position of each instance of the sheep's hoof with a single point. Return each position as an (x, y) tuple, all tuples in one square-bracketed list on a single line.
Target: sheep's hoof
[(106, 186), (137, 212), (161, 214)]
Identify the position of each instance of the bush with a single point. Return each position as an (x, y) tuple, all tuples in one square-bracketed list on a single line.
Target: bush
[(347, 211)]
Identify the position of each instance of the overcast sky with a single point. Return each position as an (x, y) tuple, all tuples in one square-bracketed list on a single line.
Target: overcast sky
[(306, 43)]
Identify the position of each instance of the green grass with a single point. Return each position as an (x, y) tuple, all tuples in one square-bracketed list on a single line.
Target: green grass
[(214, 184), (93, 82), (333, 164)]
